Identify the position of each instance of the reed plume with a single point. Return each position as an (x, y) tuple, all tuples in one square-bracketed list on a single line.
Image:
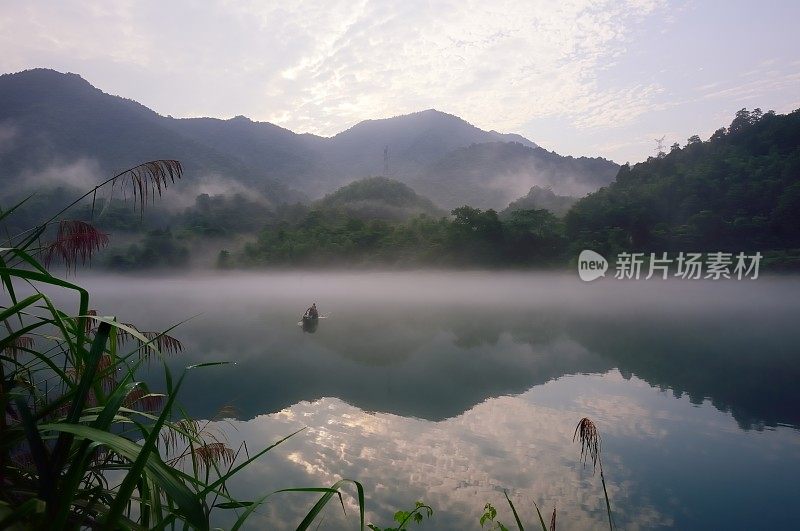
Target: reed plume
[(144, 182), (164, 342), (141, 399), (87, 323), (75, 239), (213, 453), (586, 433), (20, 343), (588, 436)]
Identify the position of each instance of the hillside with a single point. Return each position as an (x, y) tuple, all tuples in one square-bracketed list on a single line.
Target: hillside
[(493, 174), (53, 120), (739, 191), (52, 124), (294, 160), (415, 140), (541, 198), (378, 198)]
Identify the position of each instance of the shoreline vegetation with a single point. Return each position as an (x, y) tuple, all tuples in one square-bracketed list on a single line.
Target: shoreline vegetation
[(84, 444)]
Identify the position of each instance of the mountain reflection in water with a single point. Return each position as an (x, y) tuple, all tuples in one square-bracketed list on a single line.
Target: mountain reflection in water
[(452, 386)]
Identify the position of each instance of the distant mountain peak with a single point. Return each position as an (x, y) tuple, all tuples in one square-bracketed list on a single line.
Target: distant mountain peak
[(47, 76), (62, 117)]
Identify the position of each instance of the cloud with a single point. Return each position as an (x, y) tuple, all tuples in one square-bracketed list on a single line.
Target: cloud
[(7, 134), (321, 67), (212, 185), (752, 89), (81, 174), (459, 464)]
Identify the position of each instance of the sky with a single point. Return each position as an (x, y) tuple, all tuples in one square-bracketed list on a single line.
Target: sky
[(595, 78)]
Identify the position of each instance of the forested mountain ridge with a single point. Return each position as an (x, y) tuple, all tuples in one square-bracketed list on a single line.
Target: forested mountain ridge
[(52, 120), (49, 120), (739, 191), (493, 174), (378, 198)]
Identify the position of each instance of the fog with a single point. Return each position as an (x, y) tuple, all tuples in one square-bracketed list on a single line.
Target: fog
[(453, 289), (82, 174), (187, 190), (514, 185), (415, 327), (7, 134)]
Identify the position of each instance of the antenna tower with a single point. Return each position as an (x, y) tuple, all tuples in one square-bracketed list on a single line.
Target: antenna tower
[(660, 146)]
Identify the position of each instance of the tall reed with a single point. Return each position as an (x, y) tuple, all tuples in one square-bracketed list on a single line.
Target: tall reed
[(588, 436), (83, 442)]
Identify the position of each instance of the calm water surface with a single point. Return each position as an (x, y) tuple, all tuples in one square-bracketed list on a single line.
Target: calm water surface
[(450, 387)]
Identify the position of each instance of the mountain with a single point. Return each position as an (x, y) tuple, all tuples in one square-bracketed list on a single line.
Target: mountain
[(739, 191), (52, 120), (541, 198), (494, 173), (292, 159), (414, 141), (52, 124), (379, 198)]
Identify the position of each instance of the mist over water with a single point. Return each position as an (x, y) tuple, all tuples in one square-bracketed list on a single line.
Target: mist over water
[(449, 387)]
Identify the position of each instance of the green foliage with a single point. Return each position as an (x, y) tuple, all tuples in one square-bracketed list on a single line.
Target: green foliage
[(402, 518), (222, 215), (488, 517), (377, 198), (159, 248), (472, 237), (541, 199), (739, 191)]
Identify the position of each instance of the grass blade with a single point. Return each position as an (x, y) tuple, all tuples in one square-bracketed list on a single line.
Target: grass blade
[(514, 510)]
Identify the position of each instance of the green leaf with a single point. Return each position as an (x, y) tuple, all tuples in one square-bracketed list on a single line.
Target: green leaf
[(18, 307), (166, 478), (541, 519), (323, 501), (188, 503), (514, 510)]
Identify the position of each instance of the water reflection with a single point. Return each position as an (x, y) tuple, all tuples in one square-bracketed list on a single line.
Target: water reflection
[(668, 462), (450, 387), (438, 347), (309, 324)]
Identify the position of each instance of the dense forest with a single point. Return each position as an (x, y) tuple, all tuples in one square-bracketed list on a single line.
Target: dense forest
[(738, 191), (541, 198), (469, 237)]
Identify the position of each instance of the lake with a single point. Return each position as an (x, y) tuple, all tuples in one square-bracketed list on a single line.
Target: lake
[(451, 387)]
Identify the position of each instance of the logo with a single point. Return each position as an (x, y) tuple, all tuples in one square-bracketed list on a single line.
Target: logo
[(591, 265)]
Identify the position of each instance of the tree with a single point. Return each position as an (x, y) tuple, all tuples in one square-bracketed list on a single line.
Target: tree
[(741, 122)]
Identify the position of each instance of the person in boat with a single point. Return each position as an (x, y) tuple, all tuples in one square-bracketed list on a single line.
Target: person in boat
[(312, 312)]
